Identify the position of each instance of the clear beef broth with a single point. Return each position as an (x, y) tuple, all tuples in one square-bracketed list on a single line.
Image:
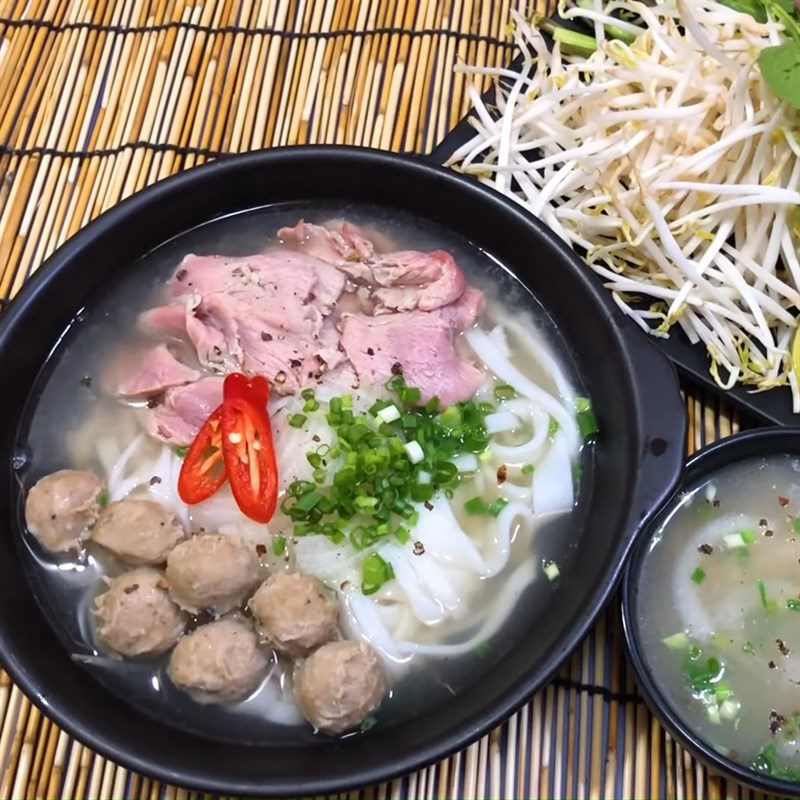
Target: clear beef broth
[(69, 408), (699, 581)]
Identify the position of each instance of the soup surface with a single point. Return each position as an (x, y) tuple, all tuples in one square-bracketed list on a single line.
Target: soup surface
[(719, 605), (428, 510)]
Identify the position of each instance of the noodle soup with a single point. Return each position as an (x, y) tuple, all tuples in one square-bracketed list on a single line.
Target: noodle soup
[(429, 445), (719, 612)]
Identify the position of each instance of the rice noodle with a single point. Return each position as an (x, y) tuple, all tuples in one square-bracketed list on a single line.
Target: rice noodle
[(500, 365), (553, 491)]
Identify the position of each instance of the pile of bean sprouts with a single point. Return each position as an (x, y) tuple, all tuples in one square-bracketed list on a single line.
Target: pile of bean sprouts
[(668, 163)]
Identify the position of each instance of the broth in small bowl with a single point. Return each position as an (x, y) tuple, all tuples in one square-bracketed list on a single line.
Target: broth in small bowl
[(711, 609)]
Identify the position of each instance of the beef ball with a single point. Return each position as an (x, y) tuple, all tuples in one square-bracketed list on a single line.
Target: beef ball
[(135, 615), (138, 531), (337, 686), (61, 507), (220, 661), (295, 613), (212, 571)]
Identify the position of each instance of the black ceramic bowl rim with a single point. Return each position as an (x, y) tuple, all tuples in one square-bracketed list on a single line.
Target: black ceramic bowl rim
[(703, 464), (650, 395)]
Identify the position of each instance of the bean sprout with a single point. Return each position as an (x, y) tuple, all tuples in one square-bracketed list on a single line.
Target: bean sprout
[(665, 160)]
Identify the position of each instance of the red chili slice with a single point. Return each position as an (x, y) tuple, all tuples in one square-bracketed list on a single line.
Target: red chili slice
[(255, 390), (249, 455), (203, 469)]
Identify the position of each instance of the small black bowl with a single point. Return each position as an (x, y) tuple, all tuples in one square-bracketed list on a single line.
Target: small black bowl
[(752, 444)]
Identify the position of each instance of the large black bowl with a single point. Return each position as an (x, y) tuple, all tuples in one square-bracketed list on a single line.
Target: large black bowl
[(637, 460), (701, 466)]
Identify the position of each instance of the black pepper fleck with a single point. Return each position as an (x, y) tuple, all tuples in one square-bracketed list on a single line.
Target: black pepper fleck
[(266, 337), (776, 721), (180, 274), (155, 480), (706, 549), (131, 589), (419, 548)]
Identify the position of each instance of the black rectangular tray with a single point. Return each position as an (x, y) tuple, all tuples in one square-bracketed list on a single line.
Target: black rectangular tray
[(773, 407)]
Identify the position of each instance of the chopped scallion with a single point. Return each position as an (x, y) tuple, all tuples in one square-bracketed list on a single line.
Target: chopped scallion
[(279, 545), (375, 571), (699, 575), (388, 413), (526, 469), (297, 420), (678, 641), (768, 605), (587, 422), (749, 537), (504, 391), (477, 506), (551, 570)]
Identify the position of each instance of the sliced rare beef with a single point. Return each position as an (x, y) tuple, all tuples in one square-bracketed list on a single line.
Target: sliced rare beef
[(157, 371), (336, 243), (184, 410), (421, 343), (261, 314), (332, 310), (401, 280)]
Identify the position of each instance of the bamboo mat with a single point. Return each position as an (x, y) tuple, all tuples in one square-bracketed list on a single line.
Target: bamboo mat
[(99, 99)]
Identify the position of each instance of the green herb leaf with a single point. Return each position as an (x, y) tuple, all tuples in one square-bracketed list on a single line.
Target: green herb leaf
[(755, 8), (793, 604), (780, 67), (181, 451), (102, 499)]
